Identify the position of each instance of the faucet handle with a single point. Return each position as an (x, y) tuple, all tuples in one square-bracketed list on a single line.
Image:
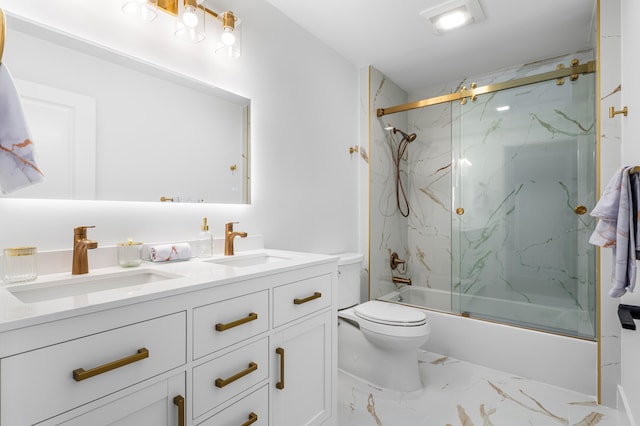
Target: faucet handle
[(229, 226), (82, 230)]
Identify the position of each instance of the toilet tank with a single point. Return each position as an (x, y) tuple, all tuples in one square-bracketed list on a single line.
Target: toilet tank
[(349, 266)]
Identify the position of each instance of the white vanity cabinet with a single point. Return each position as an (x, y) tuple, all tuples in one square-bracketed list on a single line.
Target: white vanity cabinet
[(302, 376), (256, 350), (160, 404), (42, 383)]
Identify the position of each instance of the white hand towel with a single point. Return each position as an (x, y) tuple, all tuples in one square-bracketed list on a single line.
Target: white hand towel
[(18, 166), (167, 252)]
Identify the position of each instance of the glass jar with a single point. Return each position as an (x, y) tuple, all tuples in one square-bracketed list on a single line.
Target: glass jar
[(20, 264), (129, 254)]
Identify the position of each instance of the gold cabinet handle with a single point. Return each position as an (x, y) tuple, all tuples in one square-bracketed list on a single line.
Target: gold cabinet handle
[(179, 401), (224, 382), (82, 374), (222, 327), (315, 295), (280, 384), (253, 417)]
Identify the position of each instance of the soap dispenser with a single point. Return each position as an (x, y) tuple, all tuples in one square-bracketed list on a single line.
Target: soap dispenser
[(205, 240)]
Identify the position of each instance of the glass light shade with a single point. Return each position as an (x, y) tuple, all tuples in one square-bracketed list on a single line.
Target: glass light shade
[(145, 10), (190, 25), (228, 41)]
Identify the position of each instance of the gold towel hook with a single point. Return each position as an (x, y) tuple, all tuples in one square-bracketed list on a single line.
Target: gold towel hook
[(612, 112), (3, 32)]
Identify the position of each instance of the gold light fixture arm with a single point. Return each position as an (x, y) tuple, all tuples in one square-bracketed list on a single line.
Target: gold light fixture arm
[(228, 18)]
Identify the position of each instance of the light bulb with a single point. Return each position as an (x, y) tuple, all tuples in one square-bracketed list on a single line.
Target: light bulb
[(227, 38), (452, 20), (189, 18)]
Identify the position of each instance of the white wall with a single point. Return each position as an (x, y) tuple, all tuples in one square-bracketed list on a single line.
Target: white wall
[(304, 118), (630, 368)]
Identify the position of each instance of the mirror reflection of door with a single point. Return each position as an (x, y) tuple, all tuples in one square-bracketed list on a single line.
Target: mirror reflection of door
[(63, 128)]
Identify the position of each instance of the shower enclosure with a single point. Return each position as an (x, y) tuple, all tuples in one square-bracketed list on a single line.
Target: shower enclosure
[(500, 186)]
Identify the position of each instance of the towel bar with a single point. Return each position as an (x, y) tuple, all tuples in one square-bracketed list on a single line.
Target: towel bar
[(627, 313)]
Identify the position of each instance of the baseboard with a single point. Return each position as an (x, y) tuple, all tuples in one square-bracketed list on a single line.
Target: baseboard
[(624, 406)]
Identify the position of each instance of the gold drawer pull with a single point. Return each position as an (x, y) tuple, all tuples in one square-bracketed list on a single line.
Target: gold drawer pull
[(315, 295), (280, 384), (222, 327), (179, 401), (253, 417), (81, 374), (224, 382)]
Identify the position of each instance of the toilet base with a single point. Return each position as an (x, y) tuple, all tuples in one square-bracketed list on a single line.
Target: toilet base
[(386, 368)]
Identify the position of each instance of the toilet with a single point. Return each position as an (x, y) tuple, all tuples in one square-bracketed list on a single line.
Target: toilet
[(378, 341)]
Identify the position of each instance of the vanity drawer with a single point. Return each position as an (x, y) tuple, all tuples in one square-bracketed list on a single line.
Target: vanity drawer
[(42, 383), (254, 406), (224, 323), (300, 298), (220, 379)]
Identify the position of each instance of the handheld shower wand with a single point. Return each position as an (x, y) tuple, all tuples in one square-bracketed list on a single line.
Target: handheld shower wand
[(402, 147)]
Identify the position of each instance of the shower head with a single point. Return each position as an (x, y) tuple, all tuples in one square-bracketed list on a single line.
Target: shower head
[(408, 137)]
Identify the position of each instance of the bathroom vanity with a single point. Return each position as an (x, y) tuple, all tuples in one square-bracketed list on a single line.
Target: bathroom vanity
[(241, 340)]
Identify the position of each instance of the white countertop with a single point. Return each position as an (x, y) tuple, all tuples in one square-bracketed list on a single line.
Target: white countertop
[(194, 274)]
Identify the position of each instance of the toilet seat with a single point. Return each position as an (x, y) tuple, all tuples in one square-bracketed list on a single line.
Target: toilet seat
[(388, 319), (390, 314)]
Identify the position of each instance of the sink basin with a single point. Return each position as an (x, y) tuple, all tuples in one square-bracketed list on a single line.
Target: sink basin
[(249, 260), (86, 284)]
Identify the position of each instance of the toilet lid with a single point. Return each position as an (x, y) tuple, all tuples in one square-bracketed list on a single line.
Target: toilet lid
[(390, 313)]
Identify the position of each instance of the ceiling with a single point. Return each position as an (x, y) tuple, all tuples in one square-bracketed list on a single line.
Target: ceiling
[(391, 36)]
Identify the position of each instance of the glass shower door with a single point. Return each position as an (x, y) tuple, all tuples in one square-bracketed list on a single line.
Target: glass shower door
[(524, 181)]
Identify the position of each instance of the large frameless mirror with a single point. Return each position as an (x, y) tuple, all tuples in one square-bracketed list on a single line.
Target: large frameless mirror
[(109, 127)]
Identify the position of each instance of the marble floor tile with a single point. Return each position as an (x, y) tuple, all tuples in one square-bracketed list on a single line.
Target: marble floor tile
[(458, 393)]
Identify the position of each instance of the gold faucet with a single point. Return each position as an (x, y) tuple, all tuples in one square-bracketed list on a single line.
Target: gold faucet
[(229, 235), (80, 247)]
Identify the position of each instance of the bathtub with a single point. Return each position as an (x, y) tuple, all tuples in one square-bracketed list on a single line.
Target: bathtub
[(568, 362)]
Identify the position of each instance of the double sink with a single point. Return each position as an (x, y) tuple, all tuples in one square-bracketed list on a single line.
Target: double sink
[(45, 289)]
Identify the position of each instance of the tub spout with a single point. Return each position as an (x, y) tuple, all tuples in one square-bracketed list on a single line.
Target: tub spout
[(400, 280)]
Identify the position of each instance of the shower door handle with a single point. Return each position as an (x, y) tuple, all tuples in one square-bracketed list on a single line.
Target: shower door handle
[(580, 210)]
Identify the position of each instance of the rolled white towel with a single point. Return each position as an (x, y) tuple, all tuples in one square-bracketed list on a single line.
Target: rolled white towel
[(167, 252)]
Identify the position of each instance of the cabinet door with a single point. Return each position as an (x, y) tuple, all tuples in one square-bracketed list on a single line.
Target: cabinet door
[(302, 377), (155, 405)]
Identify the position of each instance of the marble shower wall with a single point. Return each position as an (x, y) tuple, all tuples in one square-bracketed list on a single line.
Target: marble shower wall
[(387, 227)]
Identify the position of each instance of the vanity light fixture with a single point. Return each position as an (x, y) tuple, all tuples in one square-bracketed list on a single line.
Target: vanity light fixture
[(453, 14), (191, 22)]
